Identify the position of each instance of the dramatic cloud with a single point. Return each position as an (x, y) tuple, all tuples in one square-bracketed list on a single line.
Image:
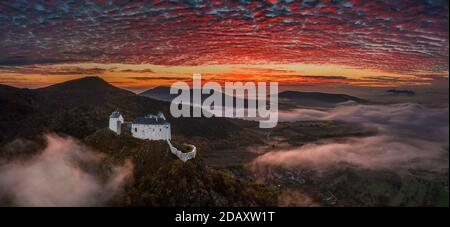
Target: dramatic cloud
[(21, 61), (147, 71), (408, 136), (325, 77), (390, 35), (62, 174), (52, 70), (161, 78)]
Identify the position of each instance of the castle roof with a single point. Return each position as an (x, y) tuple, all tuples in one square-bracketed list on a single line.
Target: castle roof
[(115, 114), (150, 120)]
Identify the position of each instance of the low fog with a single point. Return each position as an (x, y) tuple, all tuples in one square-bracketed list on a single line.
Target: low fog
[(407, 136), (64, 173)]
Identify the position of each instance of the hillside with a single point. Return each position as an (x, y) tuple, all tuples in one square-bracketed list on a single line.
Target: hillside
[(160, 179), (15, 102), (19, 109), (88, 91), (162, 93), (287, 99), (316, 99), (81, 107)]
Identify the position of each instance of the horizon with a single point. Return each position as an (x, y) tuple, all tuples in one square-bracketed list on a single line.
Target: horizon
[(425, 96)]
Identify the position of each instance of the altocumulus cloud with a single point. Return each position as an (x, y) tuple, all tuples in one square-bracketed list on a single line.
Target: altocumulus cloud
[(62, 174)]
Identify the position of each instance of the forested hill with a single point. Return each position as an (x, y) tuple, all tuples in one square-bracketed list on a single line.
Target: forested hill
[(82, 106)]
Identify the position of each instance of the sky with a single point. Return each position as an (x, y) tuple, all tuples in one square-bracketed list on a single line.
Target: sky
[(329, 45)]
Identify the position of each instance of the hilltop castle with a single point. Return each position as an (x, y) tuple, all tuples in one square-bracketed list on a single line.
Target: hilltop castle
[(150, 127)]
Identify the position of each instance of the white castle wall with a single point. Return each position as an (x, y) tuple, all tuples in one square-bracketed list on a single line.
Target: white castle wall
[(151, 132), (183, 156), (115, 124)]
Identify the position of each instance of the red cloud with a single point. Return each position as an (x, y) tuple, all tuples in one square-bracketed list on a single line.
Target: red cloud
[(387, 35)]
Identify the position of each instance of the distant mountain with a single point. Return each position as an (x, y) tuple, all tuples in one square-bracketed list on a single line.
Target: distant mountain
[(287, 99), (316, 99), (82, 106), (161, 93), (87, 92), (400, 92), (84, 85)]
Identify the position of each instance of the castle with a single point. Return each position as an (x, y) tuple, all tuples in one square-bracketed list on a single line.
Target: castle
[(150, 127)]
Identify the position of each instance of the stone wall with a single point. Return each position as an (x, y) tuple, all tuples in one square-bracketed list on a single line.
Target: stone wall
[(181, 155)]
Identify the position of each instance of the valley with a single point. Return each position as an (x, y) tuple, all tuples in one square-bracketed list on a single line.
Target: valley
[(238, 164), (341, 184)]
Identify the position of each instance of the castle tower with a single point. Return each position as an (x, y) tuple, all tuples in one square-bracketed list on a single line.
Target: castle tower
[(115, 122)]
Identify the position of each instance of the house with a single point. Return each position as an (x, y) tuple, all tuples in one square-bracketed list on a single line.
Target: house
[(115, 122), (151, 127)]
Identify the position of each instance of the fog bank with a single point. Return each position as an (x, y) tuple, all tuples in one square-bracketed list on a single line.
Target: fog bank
[(64, 173), (408, 136)]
